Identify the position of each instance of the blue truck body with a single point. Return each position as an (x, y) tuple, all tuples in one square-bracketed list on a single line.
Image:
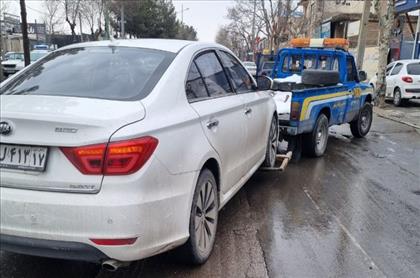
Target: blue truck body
[(341, 103)]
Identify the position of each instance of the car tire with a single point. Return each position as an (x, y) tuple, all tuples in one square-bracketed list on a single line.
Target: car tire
[(361, 126), (315, 142), (272, 144), (202, 226), (397, 100)]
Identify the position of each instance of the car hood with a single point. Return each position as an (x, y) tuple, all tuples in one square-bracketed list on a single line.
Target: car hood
[(65, 121)]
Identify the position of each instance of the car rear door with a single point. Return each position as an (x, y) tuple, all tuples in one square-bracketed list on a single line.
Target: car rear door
[(256, 109), (221, 113)]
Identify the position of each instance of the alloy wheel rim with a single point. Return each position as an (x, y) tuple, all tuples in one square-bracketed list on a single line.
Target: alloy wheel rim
[(205, 217)]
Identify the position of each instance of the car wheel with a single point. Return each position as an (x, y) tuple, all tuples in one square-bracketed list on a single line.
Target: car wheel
[(272, 144), (397, 97), (361, 126), (315, 143), (203, 219)]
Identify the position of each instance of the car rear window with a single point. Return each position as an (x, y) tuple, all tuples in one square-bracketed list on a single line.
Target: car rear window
[(413, 69), (115, 73)]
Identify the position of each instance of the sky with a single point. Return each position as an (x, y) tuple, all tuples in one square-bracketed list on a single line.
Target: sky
[(205, 15)]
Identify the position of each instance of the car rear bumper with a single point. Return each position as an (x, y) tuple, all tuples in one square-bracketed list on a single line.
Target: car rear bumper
[(51, 248), (154, 208)]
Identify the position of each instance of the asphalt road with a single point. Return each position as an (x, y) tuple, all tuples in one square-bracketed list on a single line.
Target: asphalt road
[(353, 213)]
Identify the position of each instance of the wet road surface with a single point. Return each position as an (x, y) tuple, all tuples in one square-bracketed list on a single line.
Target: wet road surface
[(353, 213)]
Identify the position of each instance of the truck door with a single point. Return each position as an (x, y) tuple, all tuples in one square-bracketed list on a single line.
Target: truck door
[(354, 90)]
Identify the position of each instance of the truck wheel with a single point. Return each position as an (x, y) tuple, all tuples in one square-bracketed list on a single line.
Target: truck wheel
[(361, 126), (315, 143), (272, 144), (203, 220)]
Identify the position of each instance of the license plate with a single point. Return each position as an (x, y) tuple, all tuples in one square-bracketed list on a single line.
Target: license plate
[(23, 157)]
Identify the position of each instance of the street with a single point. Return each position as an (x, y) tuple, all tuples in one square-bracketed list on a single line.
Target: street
[(353, 213)]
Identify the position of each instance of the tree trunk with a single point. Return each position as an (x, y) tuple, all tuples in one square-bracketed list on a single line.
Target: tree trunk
[(25, 38), (385, 12), (316, 16)]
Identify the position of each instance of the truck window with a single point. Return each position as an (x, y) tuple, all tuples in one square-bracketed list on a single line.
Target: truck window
[(323, 62), (309, 61), (335, 64), (351, 71), (292, 63)]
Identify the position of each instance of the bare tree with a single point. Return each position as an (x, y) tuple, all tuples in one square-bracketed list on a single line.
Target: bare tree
[(52, 14), (92, 13), (385, 12), (316, 17), (72, 10)]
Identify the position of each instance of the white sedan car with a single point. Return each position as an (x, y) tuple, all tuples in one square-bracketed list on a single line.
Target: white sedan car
[(402, 81), (251, 67), (115, 151)]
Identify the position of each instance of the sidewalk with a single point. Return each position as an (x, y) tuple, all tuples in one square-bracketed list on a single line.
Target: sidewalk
[(408, 114)]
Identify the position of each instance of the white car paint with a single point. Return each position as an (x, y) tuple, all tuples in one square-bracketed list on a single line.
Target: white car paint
[(152, 204), (394, 80)]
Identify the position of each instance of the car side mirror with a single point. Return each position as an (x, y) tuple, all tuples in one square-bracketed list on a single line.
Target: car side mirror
[(362, 75), (264, 83)]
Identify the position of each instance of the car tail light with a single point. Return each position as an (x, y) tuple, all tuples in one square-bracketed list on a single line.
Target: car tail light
[(113, 242), (115, 158), (407, 79), (295, 111)]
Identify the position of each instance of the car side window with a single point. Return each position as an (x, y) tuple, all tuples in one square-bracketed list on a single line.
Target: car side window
[(195, 87), (351, 73), (239, 76), (388, 68), (213, 74), (396, 70)]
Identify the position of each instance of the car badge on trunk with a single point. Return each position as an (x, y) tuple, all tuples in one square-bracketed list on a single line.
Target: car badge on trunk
[(5, 128)]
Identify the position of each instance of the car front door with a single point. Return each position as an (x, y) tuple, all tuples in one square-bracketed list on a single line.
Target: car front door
[(256, 109), (391, 80), (221, 113), (389, 89)]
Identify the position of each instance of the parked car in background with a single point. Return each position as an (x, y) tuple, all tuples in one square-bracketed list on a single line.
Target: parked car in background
[(15, 61), (266, 68), (114, 151), (402, 81), (251, 67), (13, 56)]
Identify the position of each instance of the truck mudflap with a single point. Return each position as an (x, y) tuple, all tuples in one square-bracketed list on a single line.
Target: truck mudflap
[(282, 160)]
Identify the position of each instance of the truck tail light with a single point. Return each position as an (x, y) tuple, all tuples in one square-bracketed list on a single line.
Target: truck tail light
[(407, 79), (295, 111), (115, 158)]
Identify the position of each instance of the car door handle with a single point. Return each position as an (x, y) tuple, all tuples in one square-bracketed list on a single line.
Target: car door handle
[(212, 123), (248, 111)]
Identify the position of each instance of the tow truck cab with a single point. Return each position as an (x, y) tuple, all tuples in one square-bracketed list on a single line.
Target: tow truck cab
[(319, 77)]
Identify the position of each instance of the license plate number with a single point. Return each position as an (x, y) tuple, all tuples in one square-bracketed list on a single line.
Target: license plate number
[(20, 157)]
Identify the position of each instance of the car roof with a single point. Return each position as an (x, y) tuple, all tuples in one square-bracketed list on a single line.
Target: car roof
[(406, 61), (170, 45)]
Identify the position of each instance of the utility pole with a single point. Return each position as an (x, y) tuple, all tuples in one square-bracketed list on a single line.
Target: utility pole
[(182, 12), (122, 20), (106, 11), (361, 42), (24, 27), (416, 39), (80, 24)]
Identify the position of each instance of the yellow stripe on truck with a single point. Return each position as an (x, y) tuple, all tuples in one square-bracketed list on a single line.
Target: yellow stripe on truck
[(315, 98)]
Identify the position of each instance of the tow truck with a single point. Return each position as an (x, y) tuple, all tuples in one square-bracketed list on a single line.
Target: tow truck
[(315, 85)]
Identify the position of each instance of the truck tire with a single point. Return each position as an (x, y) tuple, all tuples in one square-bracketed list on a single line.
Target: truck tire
[(315, 143), (320, 77), (361, 125)]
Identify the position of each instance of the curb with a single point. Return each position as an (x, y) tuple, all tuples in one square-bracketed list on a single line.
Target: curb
[(383, 115)]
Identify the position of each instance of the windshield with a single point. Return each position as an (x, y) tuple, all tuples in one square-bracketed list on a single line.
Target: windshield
[(413, 69), (14, 56), (117, 73)]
